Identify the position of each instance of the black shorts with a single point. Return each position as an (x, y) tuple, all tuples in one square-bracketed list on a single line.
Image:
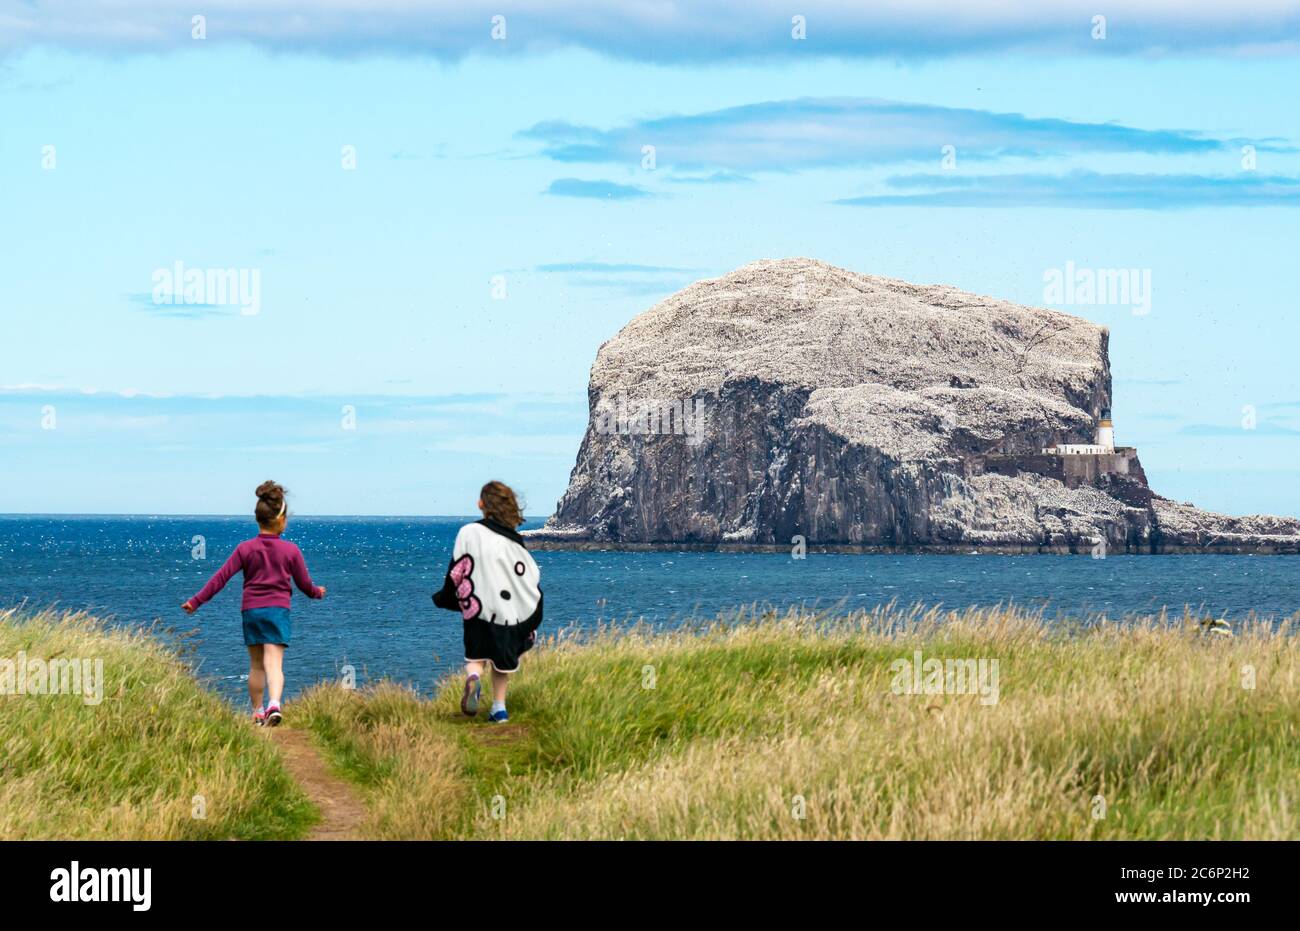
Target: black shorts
[(498, 644)]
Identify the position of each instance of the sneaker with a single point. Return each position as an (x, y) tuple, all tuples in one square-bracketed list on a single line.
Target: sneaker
[(499, 717), (273, 715), (469, 699), (259, 717)]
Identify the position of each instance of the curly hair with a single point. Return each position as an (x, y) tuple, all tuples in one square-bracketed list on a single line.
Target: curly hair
[(501, 505)]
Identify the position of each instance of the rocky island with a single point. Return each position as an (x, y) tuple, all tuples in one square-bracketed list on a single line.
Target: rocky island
[(794, 403)]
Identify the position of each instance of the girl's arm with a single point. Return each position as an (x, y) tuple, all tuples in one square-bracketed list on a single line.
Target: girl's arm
[(446, 597), (457, 592), (218, 581), (298, 566), (449, 595)]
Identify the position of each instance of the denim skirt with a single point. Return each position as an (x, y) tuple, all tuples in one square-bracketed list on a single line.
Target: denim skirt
[(267, 625)]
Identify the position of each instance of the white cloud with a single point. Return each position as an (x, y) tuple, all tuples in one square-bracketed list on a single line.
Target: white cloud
[(38, 388), (820, 132), (509, 445), (662, 31)]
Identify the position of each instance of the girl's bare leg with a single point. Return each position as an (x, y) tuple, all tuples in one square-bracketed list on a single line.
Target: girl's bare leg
[(499, 682), (273, 664), (474, 669), (256, 677)]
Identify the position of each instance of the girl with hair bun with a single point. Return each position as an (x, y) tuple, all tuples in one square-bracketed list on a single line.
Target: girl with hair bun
[(494, 584), (269, 564)]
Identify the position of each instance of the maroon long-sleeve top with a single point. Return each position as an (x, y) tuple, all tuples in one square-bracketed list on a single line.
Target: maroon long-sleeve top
[(270, 565)]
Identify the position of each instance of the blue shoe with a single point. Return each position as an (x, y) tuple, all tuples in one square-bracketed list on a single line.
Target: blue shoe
[(469, 699), (499, 717)]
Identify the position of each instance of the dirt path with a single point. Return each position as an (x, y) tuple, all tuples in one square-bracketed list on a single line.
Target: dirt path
[(341, 810)]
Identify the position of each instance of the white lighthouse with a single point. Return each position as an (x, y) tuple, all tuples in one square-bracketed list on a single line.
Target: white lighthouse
[(1106, 432), (1104, 444)]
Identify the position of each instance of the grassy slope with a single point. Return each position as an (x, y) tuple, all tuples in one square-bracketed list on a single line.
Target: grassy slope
[(744, 725), (131, 766), (746, 721)]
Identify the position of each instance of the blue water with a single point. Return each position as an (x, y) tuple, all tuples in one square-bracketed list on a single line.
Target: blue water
[(380, 573)]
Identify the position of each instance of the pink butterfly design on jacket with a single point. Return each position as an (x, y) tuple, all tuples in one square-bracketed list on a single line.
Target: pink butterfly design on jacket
[(460, 577)]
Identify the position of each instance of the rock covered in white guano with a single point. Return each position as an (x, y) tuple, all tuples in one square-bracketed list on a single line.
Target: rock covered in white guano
[(897, 366), (793, 399)]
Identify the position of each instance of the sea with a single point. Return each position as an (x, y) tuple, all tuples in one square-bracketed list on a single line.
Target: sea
[(378, 620)]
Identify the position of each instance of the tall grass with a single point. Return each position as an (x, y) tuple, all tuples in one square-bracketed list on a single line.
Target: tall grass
[(787, 726), (397, 748), (790, 727), (157, 751)]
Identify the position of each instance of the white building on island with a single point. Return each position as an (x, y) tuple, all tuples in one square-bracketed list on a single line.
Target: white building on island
[(1104, 445)]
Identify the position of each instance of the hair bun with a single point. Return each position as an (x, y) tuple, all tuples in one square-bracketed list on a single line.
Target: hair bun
[(270, 503)]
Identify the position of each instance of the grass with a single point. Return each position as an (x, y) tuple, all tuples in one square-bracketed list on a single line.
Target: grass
[(789, 727), (394, 746), (132, 765), (771, 727)]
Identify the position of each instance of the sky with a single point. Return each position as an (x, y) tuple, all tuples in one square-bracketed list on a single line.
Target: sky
[(438, 218)]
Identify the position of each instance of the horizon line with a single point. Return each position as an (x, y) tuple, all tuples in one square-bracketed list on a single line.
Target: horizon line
[(11, 514)]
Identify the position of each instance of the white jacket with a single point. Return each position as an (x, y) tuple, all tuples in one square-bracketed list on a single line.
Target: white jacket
[(492, 577)]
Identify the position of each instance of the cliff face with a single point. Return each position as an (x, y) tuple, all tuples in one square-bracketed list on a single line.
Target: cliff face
[(795, 399)]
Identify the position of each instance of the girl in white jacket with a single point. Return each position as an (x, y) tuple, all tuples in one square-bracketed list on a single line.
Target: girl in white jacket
[(494, 584)]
